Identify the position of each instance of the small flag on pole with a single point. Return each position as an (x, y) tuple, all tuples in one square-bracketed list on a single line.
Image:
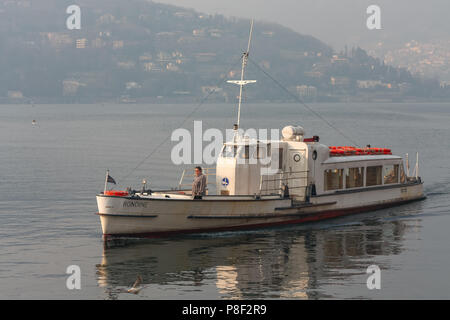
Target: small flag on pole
[(111, 179), (108, 179)]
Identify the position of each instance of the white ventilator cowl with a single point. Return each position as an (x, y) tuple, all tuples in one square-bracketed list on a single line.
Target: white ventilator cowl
[(291, 132)]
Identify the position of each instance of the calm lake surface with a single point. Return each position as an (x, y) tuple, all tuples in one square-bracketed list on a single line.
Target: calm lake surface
[(50, 173)]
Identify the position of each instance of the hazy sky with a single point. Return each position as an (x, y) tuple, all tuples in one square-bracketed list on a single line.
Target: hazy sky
[(340, 22)]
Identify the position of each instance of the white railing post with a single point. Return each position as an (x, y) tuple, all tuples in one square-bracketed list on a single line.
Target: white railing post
[(181, 180), (260, 184), (417, 165), (407, 165)]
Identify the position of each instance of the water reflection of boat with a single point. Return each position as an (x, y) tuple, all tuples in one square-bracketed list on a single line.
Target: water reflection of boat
[(288, 264)]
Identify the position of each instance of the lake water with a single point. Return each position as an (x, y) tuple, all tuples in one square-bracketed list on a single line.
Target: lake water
[(51, 171)]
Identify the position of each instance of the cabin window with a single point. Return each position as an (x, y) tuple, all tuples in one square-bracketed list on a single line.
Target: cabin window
[(261, 152), (229, 151), (373, 175), (354, 178), (246, 152), (280, 158), (271, 156), (333, 179), (390, 173)]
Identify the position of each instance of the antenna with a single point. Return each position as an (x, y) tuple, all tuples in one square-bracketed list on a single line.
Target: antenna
[(241, 83)]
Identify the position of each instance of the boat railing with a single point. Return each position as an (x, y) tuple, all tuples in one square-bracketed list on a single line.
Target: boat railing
[(206, 171), (281, 179)]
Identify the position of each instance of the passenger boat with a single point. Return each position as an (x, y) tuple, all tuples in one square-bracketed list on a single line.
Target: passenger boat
[(301, 180)]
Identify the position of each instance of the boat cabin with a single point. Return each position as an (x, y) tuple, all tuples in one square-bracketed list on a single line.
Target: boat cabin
[(301, 167)]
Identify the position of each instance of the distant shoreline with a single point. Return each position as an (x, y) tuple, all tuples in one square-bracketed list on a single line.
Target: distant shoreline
[(197, 101)]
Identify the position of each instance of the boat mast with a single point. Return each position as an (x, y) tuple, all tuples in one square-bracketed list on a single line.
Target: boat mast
[(243, 82)]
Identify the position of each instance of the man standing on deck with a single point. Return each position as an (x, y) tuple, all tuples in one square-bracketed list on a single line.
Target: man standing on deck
[(199, 184)]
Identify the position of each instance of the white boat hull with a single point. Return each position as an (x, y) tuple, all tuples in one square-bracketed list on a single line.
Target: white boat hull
[(156, 216)]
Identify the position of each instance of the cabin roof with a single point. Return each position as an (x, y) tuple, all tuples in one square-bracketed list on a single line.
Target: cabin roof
[(360, 158)]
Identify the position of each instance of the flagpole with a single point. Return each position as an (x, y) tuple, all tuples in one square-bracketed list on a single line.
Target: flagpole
[(106, 180)]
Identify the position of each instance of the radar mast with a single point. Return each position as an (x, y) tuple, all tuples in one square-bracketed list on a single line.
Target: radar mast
[(243, 82)]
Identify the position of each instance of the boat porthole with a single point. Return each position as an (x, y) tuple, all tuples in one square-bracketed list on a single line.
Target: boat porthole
[(297, 157), (314, 155)]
